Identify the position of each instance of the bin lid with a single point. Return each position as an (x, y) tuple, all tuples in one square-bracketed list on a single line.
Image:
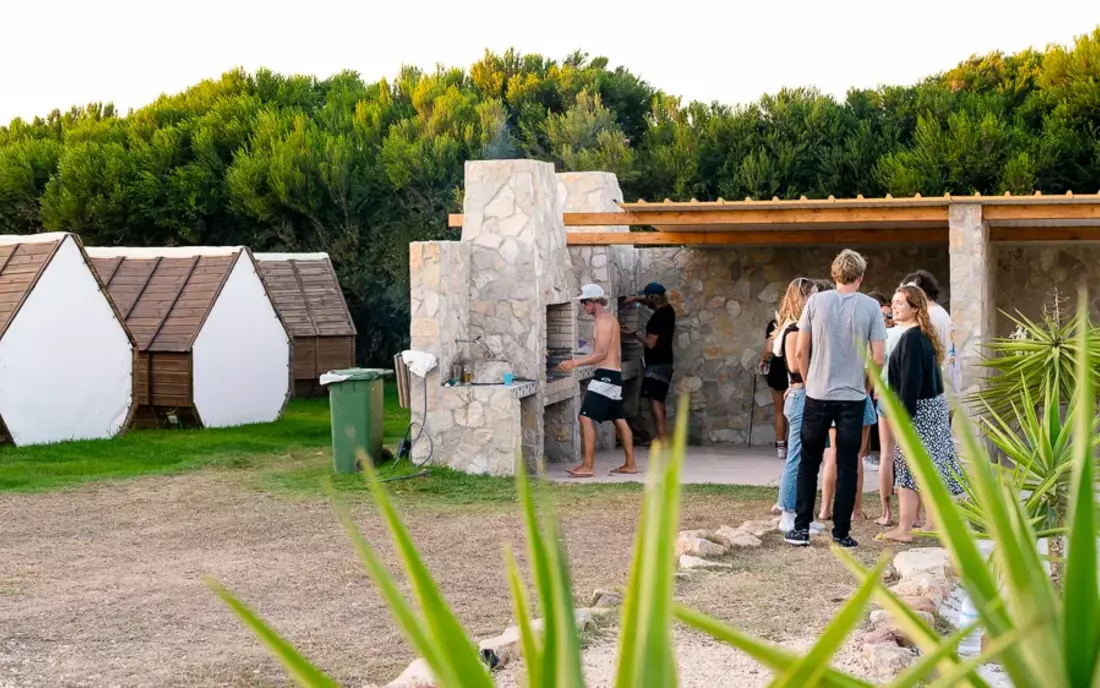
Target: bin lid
[(356, 374)]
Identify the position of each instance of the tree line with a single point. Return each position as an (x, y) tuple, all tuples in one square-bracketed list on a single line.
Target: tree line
[(296, 163)]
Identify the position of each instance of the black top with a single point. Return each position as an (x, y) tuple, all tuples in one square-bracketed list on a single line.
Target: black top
[(662, 323), (913, 371), (777, 366), (793, 377)]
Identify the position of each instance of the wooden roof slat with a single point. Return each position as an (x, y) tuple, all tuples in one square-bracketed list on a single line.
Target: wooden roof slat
[(305, 290), (164, 299), (18, 278)]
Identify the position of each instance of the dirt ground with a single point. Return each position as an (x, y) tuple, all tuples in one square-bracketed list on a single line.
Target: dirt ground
[(103, 585)]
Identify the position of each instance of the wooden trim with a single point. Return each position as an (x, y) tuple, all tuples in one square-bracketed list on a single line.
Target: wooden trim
[(32, 285), (302, 291), (114, 271), (144, 285), (1076, 211), (175, 299), (771, 215), (757, 237), (1044, 233), (14, 248), (149, 378)]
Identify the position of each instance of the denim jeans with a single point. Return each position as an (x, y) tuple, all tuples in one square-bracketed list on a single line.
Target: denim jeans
[(788, 484), (817, 417)]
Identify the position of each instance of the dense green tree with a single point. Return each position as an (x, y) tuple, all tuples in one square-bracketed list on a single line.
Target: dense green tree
[(361, 169)]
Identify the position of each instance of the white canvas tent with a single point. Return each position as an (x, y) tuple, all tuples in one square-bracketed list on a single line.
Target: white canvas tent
[(212, 350), (66, 360)]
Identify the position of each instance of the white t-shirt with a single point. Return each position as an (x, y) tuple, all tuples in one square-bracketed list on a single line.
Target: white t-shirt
[(941, 322)]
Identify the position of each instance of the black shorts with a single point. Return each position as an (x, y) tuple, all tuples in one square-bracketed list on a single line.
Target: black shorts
[(656, 381), (604, 398)]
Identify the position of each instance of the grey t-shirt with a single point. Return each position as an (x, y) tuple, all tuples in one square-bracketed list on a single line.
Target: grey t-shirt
[(840, 327)]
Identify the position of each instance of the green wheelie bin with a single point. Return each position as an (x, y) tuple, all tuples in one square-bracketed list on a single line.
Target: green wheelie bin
[(355, 405)]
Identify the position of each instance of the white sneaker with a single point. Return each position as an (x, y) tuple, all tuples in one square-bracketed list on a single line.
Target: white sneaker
[(817, 528), (786, 522)]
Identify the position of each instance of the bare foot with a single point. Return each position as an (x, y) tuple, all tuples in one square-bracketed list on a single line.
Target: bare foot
[(898, 536), (884, 521), (629, 470), (824, 516), (580, 472)]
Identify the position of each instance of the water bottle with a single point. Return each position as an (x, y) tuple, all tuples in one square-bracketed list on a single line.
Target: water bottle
[(971, 645)]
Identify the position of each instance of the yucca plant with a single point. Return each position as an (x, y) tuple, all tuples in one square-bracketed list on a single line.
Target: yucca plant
[(1040, 355), (1044, 636)]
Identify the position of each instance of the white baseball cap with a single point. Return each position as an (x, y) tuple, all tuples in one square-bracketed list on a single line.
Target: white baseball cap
[(590, 291)]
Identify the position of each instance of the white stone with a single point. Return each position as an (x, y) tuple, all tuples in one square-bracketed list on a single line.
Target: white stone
[(699, 547), (921, 586), (689, 563), (749, 358), (887, 660), (431, 304), (733, 308), (759, 528), (503, 204), (513, 226), (599, 260), (488, 240), (417, 675), (772, 292), (932, 561), (739, 538), (509, 251), (473, 416)]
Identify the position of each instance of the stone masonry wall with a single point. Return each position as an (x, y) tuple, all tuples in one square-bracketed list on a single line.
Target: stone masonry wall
[(1027, 275), (724, 299)]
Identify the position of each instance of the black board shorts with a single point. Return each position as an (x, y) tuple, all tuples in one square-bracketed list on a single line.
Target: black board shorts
[(656, 381), (604, 399)]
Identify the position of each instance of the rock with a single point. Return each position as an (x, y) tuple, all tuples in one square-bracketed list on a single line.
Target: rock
[(890, 574), (690, 563), (920, 603), (606, 599), (879, 636), (921, 586), (416, 675), (887, 660), (699, 547), (929, 561), (738, 538), (507, 646), (759, 528)]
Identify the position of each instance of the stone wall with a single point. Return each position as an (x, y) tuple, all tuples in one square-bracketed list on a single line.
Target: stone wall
[(724, 299), (1028, 274)]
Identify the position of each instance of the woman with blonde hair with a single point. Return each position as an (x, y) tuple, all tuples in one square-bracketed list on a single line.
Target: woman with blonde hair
[(790, 310), (914, 376)]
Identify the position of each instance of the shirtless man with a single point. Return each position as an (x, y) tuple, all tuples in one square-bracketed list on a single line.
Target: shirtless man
[(604, 398)]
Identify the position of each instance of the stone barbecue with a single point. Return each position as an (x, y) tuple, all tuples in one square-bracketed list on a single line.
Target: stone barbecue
[(500, 301)]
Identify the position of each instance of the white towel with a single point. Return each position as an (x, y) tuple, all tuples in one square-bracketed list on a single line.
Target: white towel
[(420, 363)]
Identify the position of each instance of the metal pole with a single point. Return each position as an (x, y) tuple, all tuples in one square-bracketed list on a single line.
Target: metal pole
[(752, 406)]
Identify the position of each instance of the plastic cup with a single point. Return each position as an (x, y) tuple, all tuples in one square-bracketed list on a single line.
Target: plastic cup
[(508, 378)]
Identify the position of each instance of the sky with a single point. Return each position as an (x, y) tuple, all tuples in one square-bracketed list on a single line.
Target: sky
[(64, 52)]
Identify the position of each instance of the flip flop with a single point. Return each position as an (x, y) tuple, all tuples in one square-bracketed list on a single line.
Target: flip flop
[(579, 475)]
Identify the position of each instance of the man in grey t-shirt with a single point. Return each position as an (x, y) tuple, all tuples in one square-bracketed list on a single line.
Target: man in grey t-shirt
[(833, 335)]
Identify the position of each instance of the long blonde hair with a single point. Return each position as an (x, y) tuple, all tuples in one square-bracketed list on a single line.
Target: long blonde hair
[(918, 301), (790, 309)]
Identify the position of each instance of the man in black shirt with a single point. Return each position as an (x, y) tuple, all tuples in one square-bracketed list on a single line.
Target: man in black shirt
[(657, 340)]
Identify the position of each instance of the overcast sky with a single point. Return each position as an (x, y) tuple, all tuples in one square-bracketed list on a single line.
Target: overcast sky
[(54, 54)]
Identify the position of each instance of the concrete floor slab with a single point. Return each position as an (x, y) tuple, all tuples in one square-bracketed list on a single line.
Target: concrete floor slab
[(722, 465)]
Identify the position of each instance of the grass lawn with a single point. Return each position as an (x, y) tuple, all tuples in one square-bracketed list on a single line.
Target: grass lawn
[(291, 456)]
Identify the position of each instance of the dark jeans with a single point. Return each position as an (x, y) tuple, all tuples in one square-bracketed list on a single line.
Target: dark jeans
[(817, 417)]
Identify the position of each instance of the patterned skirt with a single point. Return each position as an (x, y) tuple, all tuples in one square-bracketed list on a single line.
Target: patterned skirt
[(933, 426)]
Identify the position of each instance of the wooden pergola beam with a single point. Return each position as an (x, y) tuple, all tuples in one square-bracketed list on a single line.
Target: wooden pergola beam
[(759, 237)]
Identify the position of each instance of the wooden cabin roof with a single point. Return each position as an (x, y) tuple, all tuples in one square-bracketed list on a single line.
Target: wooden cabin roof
[(306, 293), (22, 261), (164, 295)]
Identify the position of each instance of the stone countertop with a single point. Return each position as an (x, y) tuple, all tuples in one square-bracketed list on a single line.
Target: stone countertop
[(521, 388)]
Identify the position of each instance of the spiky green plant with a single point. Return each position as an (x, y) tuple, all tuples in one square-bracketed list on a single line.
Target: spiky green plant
[(1041, 356), (1043, 635)]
